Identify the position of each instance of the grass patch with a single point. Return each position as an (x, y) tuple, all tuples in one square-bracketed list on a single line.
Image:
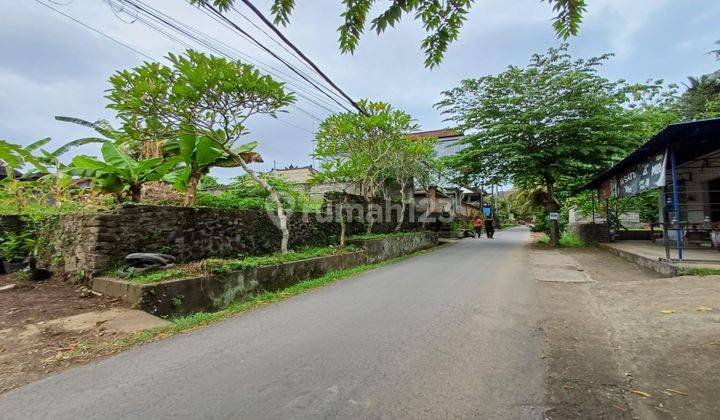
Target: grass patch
[(567, 240), (369, 236), (157, 276), (700, 271), (571, 240), (220, 266)]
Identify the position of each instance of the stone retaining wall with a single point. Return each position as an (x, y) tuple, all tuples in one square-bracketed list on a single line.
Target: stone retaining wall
[(91, 243), (395, 246), (214, 292), (11, 223)]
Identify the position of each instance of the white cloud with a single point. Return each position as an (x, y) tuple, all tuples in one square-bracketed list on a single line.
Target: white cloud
[(54, 66)]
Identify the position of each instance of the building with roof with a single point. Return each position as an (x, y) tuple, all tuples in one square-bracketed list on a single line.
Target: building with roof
[(682, 162), (450, 198), (301, 178), (295, 174), (4, 172), (447, 143)]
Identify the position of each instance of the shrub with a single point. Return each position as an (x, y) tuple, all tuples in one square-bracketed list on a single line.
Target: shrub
[(571, 240), (219, 266), (157, 276), (369, 236), (567, 240), (243, 193), (15, 246)]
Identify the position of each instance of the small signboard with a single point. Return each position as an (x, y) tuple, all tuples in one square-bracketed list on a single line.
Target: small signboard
[(553, 215), (642, 177)]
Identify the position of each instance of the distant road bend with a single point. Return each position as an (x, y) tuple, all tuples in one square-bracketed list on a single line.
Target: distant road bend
[(448, 333)]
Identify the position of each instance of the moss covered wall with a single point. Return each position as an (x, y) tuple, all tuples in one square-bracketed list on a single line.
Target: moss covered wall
[(87, 244)]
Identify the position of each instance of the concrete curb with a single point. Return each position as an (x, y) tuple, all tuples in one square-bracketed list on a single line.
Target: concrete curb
[(216, 291), (658, 266)]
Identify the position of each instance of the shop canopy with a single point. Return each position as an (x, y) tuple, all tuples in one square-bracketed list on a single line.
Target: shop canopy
[(690, 141)]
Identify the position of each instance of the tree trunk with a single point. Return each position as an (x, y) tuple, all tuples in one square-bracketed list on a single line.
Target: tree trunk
[(401, 216), (135, 193), (58, 188), (370, 220), (343, 226), (282, 217), (19, 197), (191, 188), (552, 206)]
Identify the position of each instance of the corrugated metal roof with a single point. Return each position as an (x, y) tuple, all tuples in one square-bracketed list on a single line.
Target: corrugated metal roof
[(690, 140)]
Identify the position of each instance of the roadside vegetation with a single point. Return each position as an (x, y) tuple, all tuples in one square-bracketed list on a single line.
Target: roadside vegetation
[(220, 266), (567, 240), (370, 236), (157, 276), (700, 271)]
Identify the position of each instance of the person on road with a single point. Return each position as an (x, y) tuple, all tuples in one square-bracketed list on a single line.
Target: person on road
[(489, 228), (477, 226)]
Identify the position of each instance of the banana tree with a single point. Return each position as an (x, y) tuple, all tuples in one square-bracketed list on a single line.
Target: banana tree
[(103, 128), (14, 157), (52, 158), (120, 174), (198, 154)]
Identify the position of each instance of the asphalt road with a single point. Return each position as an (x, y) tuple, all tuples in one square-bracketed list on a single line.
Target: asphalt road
[(446, 334)]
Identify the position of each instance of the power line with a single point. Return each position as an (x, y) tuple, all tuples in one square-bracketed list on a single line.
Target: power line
[(225, 24), (97, 31), (208, 43), (265, 20), (280, 44), (179, 41), (269, 51), (275, 69)]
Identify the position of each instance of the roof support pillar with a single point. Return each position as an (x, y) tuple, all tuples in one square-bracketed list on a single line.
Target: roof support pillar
[(676, 203)]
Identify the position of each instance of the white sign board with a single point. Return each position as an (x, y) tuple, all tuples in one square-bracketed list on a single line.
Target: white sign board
[(553, 215)]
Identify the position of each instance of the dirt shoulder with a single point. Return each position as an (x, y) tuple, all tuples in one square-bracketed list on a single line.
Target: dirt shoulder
[(629, 343), (31, 345)]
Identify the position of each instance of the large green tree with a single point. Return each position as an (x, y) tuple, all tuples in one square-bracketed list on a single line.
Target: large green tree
[(554, 122), (441, 19), (360, 147), (701, 98), (411, 162), (203, 100)]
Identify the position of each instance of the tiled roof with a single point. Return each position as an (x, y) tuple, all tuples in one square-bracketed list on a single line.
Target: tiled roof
[(440, 134)]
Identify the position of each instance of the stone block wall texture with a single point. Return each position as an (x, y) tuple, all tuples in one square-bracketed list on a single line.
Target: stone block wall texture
[(87, 244), (392, 247), (217, 291), (591, 233), (11, 223)]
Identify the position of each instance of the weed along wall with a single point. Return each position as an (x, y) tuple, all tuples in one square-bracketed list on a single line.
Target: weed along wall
[(218, 290), (383, 248), (90, 243)]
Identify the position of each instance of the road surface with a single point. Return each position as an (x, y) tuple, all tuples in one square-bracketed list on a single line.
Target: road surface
[(451, 333)]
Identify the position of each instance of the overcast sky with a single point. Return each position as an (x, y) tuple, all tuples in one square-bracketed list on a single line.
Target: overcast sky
[(54, 66)]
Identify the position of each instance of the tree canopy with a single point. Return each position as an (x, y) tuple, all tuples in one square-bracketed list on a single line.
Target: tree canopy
[(442, 20), (555, 121), (200, 105), (372, 149)]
